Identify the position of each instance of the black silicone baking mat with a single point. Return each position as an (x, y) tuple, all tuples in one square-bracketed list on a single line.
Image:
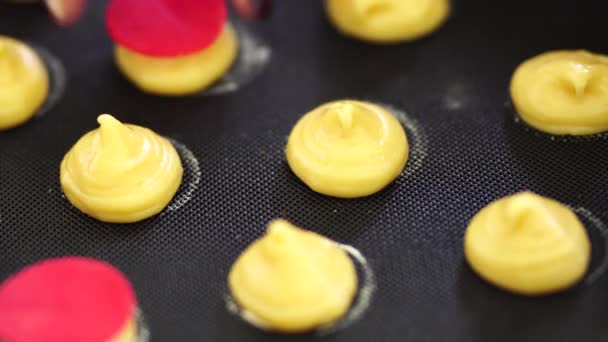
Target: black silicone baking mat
[(469, 150)]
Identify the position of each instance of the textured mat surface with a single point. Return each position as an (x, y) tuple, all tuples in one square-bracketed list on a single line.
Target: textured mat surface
[(469, 151)]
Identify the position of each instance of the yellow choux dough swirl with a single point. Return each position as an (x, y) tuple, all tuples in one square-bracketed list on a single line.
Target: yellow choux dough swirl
[(121, 173), (528, 244), (24, 82), (292, 280), (563, 92), (180, 75), (387, 21), (347, 148)]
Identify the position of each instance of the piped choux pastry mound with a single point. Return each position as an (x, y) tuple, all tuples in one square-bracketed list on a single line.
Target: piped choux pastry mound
[(121, 173), (528, 244), (292, 280), (24, 82), (347, 148), (387, 21), (563, 92)]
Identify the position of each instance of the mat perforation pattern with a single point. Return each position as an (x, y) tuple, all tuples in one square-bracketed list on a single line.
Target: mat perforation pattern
[(454, 84)]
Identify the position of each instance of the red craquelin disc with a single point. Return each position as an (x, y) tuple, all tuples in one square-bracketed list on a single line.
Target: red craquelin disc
[(69, 299), (165, 28)]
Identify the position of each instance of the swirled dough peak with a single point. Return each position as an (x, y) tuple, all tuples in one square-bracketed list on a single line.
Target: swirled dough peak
[(528, 244), (292, 280), (347, 148), (563, 92), (24, 82), (387, 21), (121, 173)]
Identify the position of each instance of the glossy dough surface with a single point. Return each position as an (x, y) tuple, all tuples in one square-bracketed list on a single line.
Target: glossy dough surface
[(347, 148), (528, 244), (121, 173), (24, 82), (563, 92), (292, 280), (180, 75), (387, 21)]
